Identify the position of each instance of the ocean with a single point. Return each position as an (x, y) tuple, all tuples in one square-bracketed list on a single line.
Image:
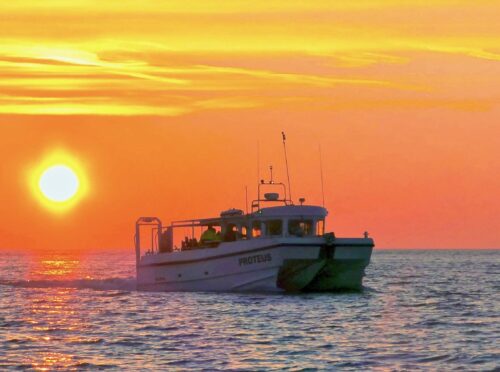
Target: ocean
[(419, 310)]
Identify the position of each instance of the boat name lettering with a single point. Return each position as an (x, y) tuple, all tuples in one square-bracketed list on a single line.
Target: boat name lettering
[(255, 259)]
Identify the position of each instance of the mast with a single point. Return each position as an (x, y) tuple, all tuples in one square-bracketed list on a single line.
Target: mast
[(321, 174), (286, 163)]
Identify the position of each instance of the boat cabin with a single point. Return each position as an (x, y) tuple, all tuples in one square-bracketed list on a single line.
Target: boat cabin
[(271, 217), (285, 221), (297, 221)]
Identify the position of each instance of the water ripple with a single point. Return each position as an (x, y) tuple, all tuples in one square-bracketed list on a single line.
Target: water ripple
[(419, 310)]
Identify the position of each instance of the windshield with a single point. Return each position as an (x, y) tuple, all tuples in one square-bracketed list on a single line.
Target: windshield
[(300, 227)]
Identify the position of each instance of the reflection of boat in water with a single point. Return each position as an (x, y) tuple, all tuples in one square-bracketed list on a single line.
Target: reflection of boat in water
[(278, 246)]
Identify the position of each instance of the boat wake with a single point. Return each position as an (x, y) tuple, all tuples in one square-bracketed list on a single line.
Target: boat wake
[(108, 284)]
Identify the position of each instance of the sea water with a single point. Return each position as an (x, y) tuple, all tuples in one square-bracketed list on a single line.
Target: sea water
[(419, 310)]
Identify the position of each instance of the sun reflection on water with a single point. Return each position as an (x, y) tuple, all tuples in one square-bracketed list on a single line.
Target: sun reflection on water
[(58, 267), (51, 308), (54, 315), (52, 361)]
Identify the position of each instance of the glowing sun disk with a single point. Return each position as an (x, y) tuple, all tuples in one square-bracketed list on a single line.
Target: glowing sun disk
[(59, 183)]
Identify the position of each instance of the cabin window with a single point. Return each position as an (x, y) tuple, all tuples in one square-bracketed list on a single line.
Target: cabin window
[(300, 227), (256, 231), (320, 227), (274, 227), (244, 232), (231, 233)]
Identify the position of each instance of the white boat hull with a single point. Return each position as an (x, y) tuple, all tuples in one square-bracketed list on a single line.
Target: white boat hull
[(266, 264)]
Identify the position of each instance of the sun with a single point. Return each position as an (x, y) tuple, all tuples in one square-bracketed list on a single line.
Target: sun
[(59, 183)]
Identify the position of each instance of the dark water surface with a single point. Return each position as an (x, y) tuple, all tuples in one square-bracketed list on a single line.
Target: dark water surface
[(420, 310)]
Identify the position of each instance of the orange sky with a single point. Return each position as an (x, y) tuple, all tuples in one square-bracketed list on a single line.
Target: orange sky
[(164, 103)]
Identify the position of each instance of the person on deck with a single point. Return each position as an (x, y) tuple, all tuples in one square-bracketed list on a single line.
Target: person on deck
[(210, 236), (231, 234)]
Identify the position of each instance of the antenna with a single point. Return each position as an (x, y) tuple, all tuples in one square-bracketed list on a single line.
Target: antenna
[(286, 163), (258, 162), (246, 199), (321, 173)]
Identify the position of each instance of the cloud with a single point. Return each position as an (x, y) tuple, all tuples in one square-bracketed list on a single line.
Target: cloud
[(45, 80), (175, 58)]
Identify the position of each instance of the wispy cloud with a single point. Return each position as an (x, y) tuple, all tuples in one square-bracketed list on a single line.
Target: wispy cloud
[(175, 58), (43, 80)]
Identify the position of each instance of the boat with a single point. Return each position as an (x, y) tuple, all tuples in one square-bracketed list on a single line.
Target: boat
[(276, 246)]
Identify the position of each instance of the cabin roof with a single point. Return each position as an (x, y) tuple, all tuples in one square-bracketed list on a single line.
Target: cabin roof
[(298, 211), (291, 211)]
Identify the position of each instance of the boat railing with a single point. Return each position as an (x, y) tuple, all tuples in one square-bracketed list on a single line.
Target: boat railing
[(161, 238), (155, 224), (270, 197)]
